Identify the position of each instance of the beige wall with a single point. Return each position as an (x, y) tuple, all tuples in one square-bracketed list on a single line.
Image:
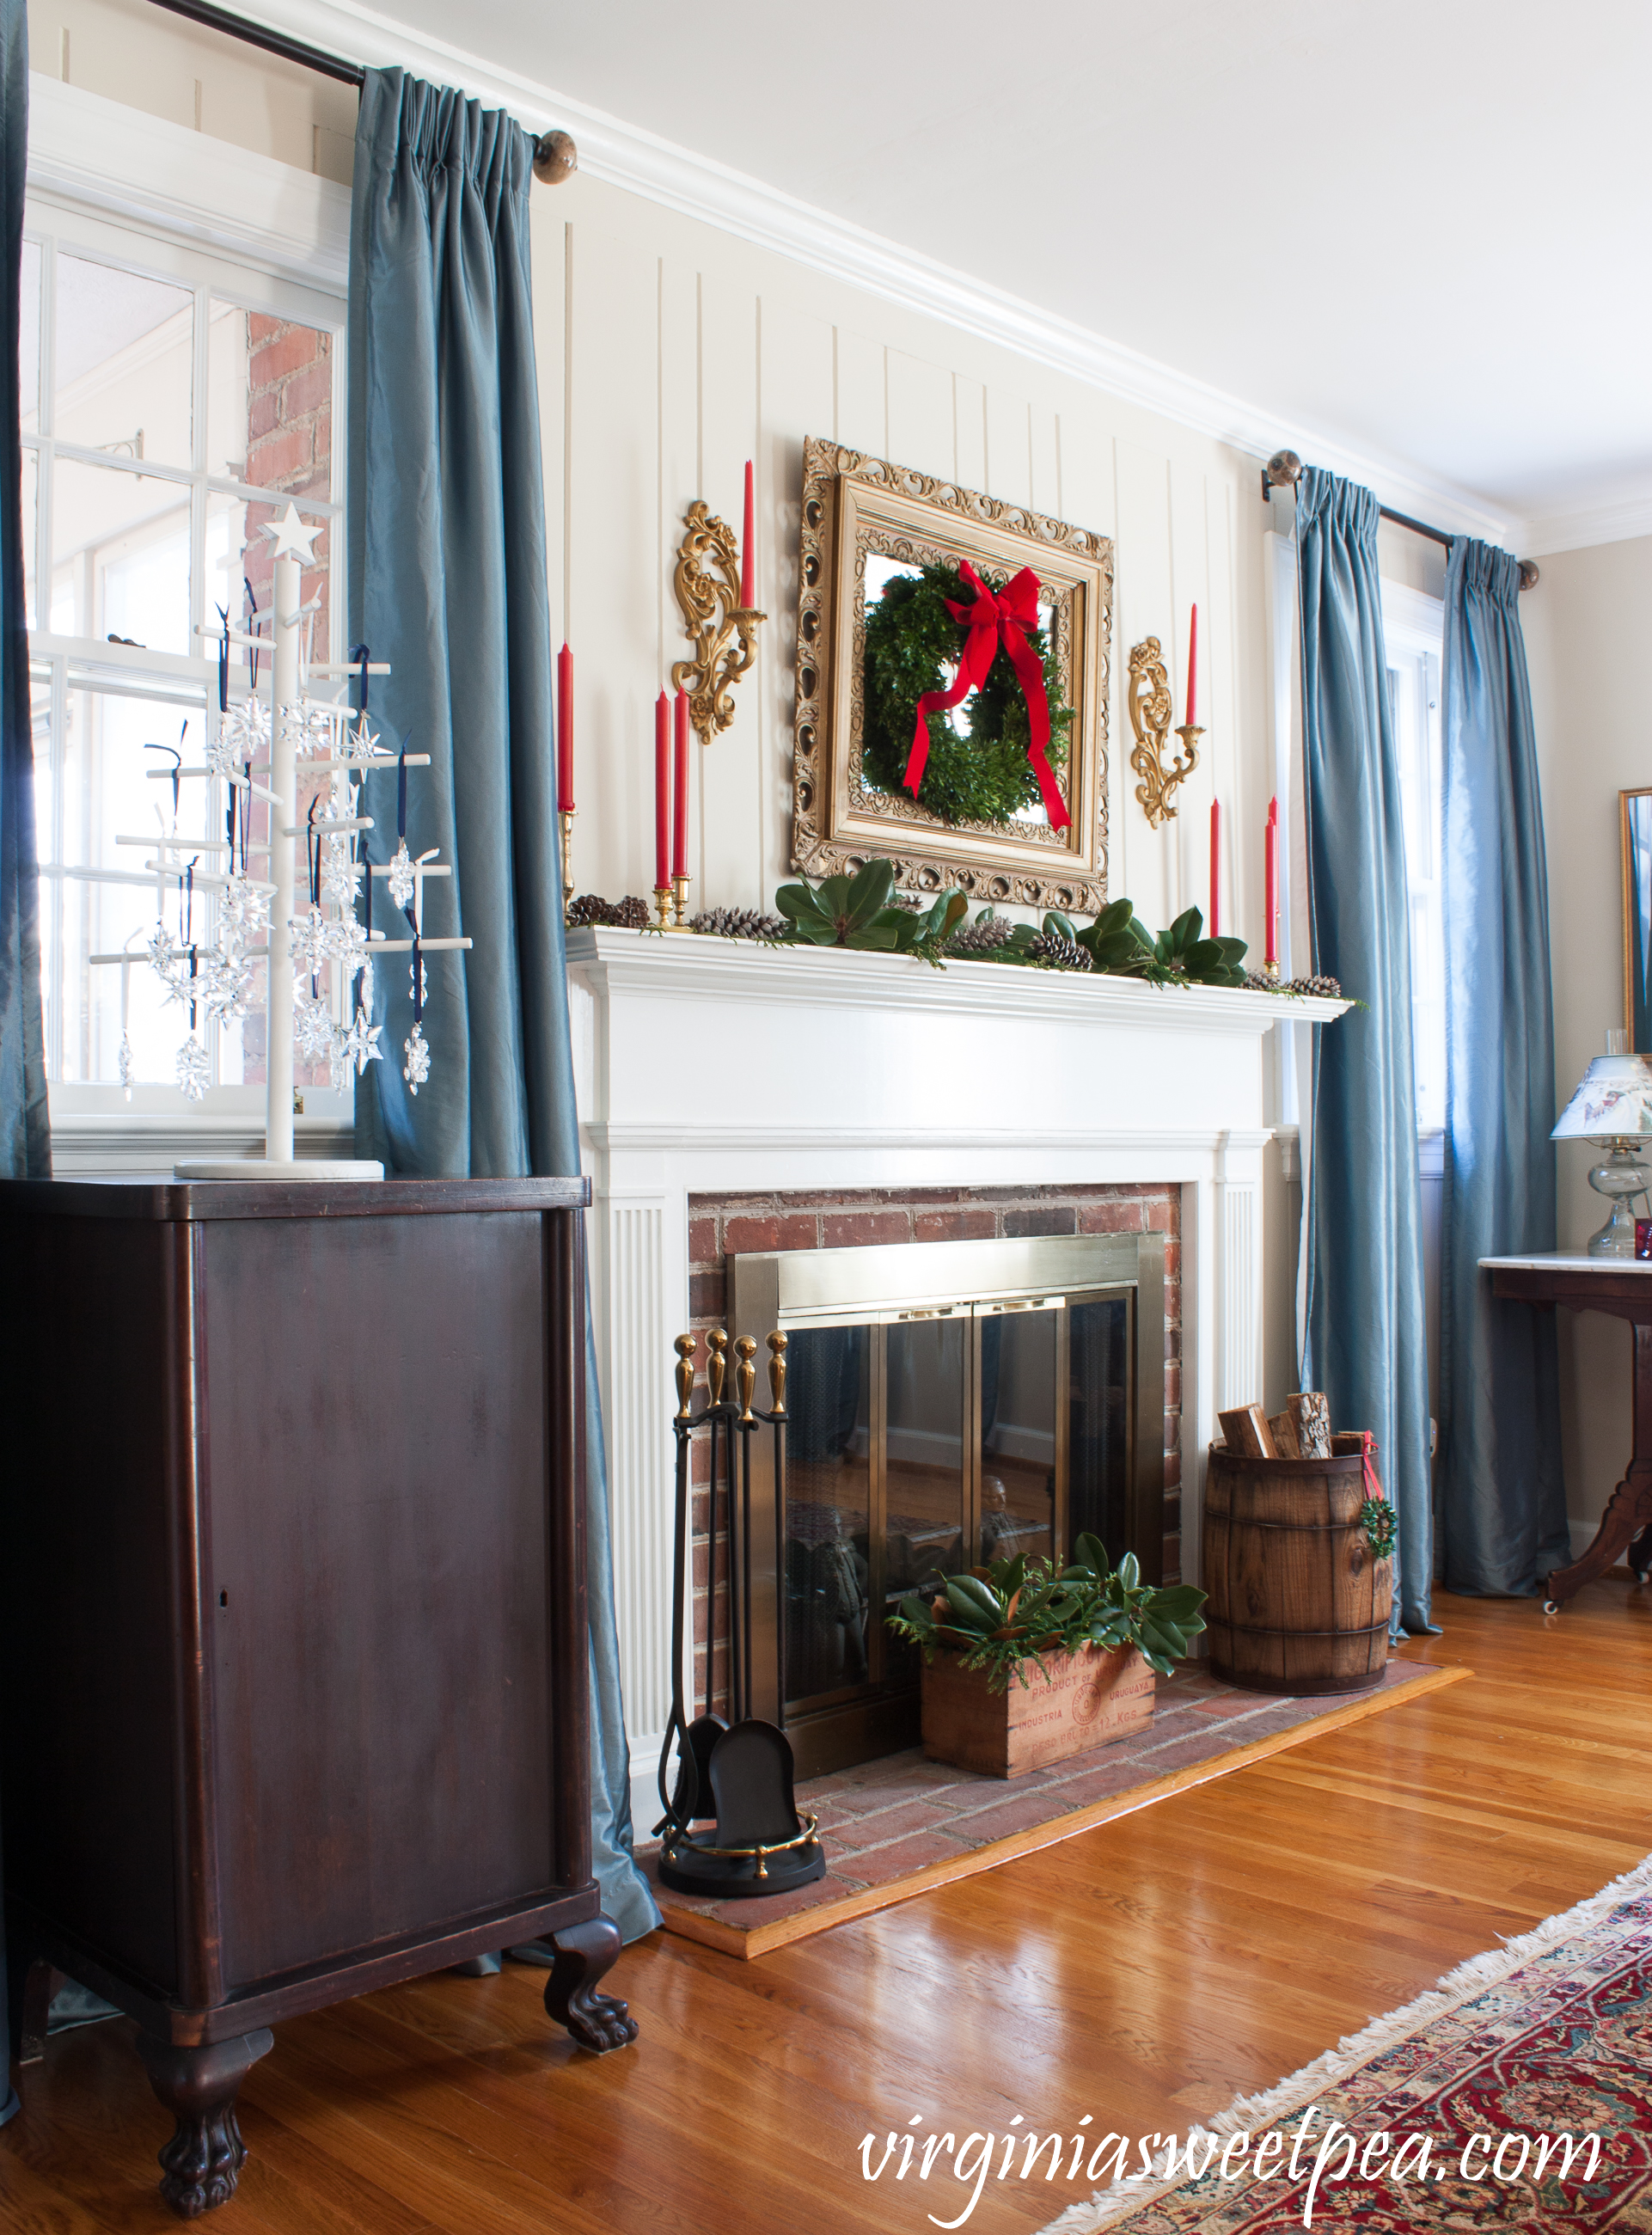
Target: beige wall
[(133, 52), (1589, 643)]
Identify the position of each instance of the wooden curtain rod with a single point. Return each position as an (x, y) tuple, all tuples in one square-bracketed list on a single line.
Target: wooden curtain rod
[(1284, 468), (555, 157)]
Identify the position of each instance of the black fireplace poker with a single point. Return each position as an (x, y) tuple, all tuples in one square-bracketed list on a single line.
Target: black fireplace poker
[(734, 1778)]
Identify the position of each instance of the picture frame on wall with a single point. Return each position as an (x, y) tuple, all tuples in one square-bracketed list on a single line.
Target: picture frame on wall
[(867, 524)]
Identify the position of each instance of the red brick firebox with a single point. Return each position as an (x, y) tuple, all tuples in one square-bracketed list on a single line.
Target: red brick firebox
[(726, 1225)]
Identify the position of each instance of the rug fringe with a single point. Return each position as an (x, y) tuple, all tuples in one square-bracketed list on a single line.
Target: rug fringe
[(1252, 2111)]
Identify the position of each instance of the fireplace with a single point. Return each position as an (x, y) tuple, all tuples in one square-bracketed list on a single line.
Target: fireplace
[(949, 1403), (865, 1093)]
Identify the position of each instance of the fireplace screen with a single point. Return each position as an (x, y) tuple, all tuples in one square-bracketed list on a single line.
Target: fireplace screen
[(925, 1438)]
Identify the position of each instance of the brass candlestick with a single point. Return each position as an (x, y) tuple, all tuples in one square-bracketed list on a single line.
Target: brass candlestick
[(680, 903), (722, 631), (568, 860), (1270, 968), (1149, 717), (662, 907)]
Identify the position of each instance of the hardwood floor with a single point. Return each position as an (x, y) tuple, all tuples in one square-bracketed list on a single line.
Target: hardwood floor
[(1143, 1973)]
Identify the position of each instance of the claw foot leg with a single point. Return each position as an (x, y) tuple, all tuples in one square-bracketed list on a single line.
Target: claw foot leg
[(200, 2164), (584, 1953)]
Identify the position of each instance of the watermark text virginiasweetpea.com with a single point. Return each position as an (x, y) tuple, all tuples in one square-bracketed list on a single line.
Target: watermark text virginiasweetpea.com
[(1321, 2150)]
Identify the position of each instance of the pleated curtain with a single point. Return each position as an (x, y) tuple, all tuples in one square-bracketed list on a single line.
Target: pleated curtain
[(1502, 1501), (446, 527), (25, 1149), (1365, 1341)]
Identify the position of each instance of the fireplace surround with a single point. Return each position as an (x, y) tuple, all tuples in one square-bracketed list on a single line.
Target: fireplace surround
[(713, 1069)]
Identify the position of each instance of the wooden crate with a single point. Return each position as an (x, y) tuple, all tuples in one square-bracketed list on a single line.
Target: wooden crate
[(1089, 1699)]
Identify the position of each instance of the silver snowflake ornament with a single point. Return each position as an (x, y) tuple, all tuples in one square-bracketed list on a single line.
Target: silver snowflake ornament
[(127, 1070), (311, 943), (361, 746), (360, 1044), (227, 979), (347, 943), (401, 880), (194, 1069), (340, 876), (313, 1025), (242, 906), (247, 728), (416, 1068)]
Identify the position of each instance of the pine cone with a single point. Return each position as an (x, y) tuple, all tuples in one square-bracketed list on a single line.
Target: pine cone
[(629, 915), (1059, 953), (739, 923), (980, 938), (1321, 988)]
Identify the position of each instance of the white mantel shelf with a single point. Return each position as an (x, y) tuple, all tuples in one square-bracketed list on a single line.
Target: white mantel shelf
[(715, 1066)]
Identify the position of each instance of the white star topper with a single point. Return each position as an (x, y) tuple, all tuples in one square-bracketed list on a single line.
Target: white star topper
[(289, 534)]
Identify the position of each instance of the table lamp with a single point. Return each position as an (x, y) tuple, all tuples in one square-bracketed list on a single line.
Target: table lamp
[(1613, 1107)]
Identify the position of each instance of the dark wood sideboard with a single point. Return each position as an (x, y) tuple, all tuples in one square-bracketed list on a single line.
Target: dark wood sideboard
[(293, 1676)]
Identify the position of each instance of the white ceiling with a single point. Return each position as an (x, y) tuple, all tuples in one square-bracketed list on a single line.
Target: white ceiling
[(1423, 228)]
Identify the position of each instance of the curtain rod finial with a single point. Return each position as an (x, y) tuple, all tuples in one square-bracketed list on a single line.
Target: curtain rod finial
[(1283, 469), (555, 158), (1529, 575)]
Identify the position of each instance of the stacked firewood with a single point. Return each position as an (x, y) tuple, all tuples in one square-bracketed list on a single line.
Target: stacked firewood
[(1301, 1432)]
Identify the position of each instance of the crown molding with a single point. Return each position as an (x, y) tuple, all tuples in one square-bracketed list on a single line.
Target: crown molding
[(103, 155), (697, 186), (1604, 523)]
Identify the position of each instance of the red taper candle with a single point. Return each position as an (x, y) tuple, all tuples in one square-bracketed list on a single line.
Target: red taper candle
[(662, 792), (1192, 669), (749, 546), (565, 731), (1215, 865), (1271, 899), (679, 792)]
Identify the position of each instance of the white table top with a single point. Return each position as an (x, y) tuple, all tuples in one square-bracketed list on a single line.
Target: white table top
[(1569, 1261)]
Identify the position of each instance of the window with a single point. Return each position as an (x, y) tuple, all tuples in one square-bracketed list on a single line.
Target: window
[(172, 402), (1413, 627)]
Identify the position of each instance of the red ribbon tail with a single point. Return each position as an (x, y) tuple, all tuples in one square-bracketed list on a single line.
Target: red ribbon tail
[(971, 665), (1030, 670)]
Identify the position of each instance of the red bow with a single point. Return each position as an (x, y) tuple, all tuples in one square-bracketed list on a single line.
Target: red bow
[(1013, 612)]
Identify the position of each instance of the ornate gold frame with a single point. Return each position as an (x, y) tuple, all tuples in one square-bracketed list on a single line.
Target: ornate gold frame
[(852, 505)]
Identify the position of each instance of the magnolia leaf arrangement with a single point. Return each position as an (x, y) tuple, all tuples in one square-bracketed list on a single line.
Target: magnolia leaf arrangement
[(845, 911), (1013, 1612)]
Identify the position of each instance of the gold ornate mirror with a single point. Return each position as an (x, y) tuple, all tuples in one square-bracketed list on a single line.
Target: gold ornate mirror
[(1634, 810), (881, 546)]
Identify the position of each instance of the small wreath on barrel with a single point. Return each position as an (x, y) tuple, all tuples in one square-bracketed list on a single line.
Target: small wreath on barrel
[(912, 635)]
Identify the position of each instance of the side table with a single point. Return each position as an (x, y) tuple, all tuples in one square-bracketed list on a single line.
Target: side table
[(1620, 1286)]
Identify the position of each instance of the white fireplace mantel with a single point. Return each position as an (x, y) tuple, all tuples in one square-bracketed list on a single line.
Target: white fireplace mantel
[(707, 1065)]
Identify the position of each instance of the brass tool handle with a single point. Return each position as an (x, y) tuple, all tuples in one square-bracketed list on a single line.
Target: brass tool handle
[(777, 1372), (716, 1344), (747, 1375), (684, 1348)]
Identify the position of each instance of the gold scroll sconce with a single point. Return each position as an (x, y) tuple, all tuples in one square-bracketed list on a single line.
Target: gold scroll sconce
[(722, 631), (1150, 717)]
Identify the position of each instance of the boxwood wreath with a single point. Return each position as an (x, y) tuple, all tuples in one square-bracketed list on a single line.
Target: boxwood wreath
[(912, 639)]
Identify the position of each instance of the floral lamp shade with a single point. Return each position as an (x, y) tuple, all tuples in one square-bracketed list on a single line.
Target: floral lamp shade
[(1613, 1101)]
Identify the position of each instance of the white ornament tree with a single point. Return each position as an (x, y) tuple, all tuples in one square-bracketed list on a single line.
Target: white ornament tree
[(321, 954)]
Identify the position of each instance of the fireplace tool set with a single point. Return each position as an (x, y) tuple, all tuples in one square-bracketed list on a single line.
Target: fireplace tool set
[(740, 1771)]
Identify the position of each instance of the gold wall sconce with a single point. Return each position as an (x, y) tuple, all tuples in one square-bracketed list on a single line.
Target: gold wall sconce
[(721, 626), (1150, 717)]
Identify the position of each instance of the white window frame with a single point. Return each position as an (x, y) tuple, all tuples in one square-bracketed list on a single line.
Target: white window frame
[(114, 184), (1413, 630)]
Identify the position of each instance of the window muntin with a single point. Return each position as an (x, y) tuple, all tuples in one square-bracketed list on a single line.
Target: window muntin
[(141, 362)]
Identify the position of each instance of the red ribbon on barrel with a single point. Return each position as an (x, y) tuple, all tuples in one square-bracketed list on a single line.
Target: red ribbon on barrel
[(1009, 615)]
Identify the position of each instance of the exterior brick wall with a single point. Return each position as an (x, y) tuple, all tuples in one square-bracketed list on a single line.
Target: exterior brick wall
[(731, 1225), (289, 448)]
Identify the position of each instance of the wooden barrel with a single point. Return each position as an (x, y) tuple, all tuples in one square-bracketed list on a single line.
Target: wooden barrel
[(1298, 1601)]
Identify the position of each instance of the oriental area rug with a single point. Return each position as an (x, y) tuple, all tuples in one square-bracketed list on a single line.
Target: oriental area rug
[(903, 1826), (1516, 2094)]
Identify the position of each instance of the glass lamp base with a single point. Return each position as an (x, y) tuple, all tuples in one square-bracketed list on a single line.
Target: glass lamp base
[(1621, 1179)]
